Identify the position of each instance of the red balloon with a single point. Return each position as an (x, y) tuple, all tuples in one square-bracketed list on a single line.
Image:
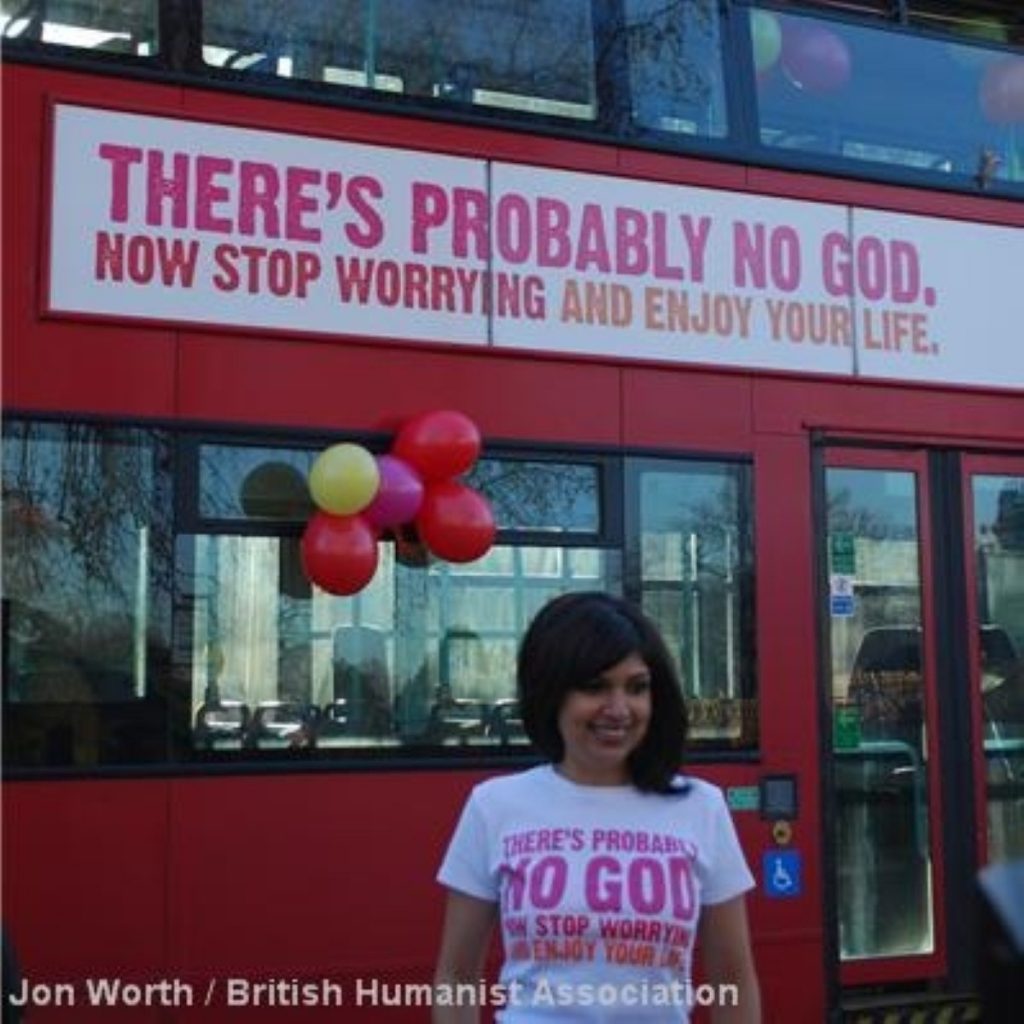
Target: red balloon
[(814, 57), (456, 522), (1002, 91), (339, 553), (439, 444)]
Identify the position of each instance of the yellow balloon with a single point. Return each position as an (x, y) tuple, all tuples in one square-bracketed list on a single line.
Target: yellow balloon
[(766, 35), (344, 479)]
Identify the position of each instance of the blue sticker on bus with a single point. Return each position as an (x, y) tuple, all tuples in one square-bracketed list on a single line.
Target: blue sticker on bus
[(782, 873)]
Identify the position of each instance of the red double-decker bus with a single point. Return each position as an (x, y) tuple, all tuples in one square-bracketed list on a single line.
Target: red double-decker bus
[(733, 293)]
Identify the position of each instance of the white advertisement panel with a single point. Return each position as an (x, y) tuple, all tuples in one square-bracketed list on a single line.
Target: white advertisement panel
[(939, 300), (183, 221), (648, 270), (179, 220)]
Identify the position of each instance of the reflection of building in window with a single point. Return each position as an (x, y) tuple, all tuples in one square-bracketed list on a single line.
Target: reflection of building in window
[(49, 695), (460, 650), (294, 682), (107, 654), (362, 680), (1009, 524), (413, 705), (97, 694)]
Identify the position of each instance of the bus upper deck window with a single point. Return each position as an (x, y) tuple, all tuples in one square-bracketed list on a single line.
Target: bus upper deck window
[(676, 76), (127, 28), (845, 88), (535, 57)]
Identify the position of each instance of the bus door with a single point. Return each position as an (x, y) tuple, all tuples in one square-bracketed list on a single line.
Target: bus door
[(994, 525), (923, 626)]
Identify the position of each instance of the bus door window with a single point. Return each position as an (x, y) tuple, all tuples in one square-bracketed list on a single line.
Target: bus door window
[(998, 516), (878, 696)]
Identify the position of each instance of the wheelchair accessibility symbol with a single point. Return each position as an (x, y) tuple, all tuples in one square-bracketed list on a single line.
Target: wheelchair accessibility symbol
[(782, 873)]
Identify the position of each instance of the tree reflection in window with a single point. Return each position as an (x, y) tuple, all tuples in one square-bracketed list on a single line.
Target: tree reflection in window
[(86, 577), (549, 496)]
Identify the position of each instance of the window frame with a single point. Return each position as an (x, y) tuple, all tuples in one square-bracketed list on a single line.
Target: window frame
[(748, 745), (618, 471)]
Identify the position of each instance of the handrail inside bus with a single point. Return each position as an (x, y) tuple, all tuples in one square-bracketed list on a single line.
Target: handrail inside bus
[(866, 749)]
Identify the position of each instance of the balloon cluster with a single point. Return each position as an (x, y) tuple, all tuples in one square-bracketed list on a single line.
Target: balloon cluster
[(360, 497), (813, 57)]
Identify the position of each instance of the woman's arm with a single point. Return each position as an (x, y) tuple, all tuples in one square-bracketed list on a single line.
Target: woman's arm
[(465, 938), (724, 944)]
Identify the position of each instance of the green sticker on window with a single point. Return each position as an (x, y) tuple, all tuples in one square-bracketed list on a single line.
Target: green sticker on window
[(743, 798), (843, 554), (846, 727)]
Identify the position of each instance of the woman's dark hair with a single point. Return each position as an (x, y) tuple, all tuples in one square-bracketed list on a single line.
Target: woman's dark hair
[(572, 640)]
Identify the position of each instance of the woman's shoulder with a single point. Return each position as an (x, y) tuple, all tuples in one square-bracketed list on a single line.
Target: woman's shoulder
[(698, 790)]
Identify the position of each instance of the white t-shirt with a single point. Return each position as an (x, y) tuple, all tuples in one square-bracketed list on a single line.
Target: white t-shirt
[(599, 890)]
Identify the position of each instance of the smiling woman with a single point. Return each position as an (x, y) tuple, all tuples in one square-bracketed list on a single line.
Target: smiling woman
[(601, 864), (599, 694)]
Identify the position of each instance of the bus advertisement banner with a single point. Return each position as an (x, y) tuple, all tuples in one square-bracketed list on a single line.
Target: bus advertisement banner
[(168, 219)]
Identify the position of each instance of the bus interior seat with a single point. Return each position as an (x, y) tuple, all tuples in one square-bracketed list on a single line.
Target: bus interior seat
[(889, 649), (885, 681), (898, 649), (1002, 682), (333, 719), (998, 654), (505, 722), (282, 721), (221, 722), (460, 718)]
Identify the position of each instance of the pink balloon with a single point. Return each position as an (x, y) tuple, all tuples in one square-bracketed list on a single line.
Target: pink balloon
[(815, 58), (1002, 91), (400, 494)]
